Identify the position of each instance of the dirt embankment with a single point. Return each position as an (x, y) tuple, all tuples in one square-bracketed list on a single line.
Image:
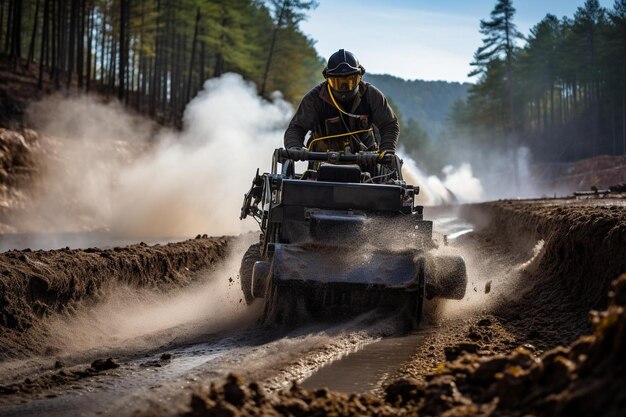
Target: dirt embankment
[(584, 249), (34, 285), (582, 253), (20, 153)]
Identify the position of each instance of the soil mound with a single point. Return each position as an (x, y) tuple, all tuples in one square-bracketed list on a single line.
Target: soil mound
[(34, 285), (19, 155), (583, 251)]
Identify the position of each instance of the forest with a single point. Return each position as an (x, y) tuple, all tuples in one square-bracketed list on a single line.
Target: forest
[(154, 55), (560, 91)]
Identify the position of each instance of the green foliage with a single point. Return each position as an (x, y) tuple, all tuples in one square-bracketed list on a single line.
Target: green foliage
[(566, 85), (500, 35), (167, 48)]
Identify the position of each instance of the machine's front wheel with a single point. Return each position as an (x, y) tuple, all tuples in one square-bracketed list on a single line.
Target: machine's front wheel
[(252, 255), (417, 302)]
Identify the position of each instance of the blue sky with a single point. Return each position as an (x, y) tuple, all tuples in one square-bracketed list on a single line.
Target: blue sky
[(418, 39)]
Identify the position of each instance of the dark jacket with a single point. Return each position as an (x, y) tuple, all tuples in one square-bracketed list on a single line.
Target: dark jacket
[(318, 115)]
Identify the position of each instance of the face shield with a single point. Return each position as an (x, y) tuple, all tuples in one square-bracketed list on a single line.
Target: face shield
[(345, 84)]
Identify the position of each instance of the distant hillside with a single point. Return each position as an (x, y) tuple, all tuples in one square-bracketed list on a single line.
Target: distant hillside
[(427, 102)]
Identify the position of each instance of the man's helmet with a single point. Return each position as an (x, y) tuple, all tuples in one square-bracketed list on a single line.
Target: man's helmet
[(343, 74)]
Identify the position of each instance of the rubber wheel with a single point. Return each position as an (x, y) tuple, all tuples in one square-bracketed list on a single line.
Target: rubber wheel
[(416, 304), (252, 255)]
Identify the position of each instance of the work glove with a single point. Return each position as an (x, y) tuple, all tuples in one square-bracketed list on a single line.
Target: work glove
[(367, 159), (386, 156), (298, 154)]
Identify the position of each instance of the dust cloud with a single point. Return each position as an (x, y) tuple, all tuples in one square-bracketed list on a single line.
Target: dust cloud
[(458, 185), (195, 181), (128, 319), (117, 172)]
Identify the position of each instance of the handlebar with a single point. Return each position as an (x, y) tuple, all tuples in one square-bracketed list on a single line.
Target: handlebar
[(282, 155)]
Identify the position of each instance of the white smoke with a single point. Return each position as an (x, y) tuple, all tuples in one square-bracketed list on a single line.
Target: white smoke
[(108, 170), (194, 182), (457, 186)]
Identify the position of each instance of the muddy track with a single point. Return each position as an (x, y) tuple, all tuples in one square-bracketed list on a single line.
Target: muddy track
[(536, 269), (501, 357)]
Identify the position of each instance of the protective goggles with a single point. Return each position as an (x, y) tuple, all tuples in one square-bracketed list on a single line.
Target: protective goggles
[(345, 83)]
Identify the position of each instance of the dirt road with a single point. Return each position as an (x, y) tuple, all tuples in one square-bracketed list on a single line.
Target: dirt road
[(535, 270)]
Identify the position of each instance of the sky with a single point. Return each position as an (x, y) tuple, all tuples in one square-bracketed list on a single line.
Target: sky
[(417, 39)]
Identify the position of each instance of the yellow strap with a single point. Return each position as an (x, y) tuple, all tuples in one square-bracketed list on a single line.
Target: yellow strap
[(337, 136), (337, 104)]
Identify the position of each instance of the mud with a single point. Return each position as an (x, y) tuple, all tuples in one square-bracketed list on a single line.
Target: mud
[(20, 162), (584, 248), (504, 358), (35, 285), (536, 269)]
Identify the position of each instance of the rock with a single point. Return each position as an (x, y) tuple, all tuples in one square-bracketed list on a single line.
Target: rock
[(488, 287), (104, 364), (474, 336), (453, 352), (484, 322), (321, 393), (234, 391), (617, 295), (199, 406), (404, 390), (487, 370), (58, 365), (292, 407), (581, 348), (166, 356), (523, 357)]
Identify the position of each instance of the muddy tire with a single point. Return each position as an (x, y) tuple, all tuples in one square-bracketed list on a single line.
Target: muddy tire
[(252, 255), (417, 299)]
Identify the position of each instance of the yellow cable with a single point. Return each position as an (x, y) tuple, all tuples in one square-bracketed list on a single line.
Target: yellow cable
[(337, 136), (337, 104)]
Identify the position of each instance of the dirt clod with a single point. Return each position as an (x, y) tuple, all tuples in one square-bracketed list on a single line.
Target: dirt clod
[(104, 364)]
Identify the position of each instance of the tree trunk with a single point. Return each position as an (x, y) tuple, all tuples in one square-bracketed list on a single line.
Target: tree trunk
[(9, 38), (31, 50), (61, 44), (112, 64), (44, 42), (155, 84), (272, 45), (193, 56), (80, 49), (123, 49), (1, 19), (90, 28), (623, 123), (72, 42), (53, 39), (202, 61), (16, 42), (103, 49)]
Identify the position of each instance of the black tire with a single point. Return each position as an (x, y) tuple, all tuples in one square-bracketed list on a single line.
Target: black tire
[(252, 255), (416, 303)]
